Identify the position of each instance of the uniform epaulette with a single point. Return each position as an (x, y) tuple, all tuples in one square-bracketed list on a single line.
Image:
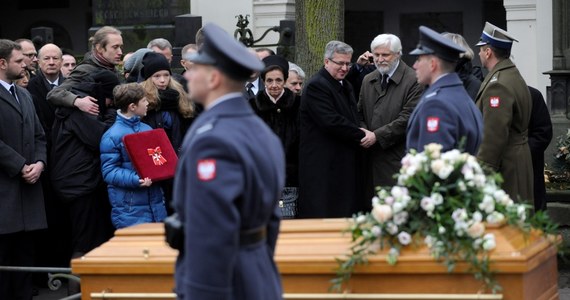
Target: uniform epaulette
[(431, 94), (204, 128), (494, 78)]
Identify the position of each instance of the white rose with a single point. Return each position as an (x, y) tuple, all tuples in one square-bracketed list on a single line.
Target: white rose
[(479, 180), (360, 219), (441, 230), (489, 242), (477, 216), (437, 165), (429, 241), (427, 204), (459, 214), (397, 207), (434, 149), (437, 198), (487, 204), (389, 200), (376, 231), (382, 213), (399, 192), (375, 200), (452, 156), (404, 238), (391, 228), (461, 185), (401, 218), (495, 218), (476, 230)]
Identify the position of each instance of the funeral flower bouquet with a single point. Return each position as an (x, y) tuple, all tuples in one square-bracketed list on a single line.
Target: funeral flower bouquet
[(446, 201)]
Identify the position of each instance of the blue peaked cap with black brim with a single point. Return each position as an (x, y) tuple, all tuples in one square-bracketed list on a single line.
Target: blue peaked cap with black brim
[(432, 42), (225, 53)]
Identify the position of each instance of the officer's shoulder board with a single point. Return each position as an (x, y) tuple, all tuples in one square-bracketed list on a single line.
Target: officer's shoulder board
[(495, 78), (207, 127), (432, 94)]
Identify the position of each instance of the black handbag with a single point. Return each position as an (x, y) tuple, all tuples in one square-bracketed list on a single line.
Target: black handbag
[(288, 202)]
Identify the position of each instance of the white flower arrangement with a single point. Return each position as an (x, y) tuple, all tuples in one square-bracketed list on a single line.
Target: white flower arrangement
[(444, 200)]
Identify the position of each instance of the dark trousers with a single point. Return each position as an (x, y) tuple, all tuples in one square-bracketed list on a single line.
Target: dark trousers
[(90, 217), (16, 249)]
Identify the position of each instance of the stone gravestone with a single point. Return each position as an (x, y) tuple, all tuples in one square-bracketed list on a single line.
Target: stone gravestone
[(139, 20)]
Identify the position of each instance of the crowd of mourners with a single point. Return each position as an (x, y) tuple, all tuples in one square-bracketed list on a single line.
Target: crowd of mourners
[(68, 182)]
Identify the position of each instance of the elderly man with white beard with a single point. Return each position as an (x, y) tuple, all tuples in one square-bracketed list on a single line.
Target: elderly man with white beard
[(388, 96)]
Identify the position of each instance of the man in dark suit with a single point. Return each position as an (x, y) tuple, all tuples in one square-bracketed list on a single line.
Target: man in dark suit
[(230, 175), (446, 114), (330, 156), (22, 160), (506, 105), (387, 98)]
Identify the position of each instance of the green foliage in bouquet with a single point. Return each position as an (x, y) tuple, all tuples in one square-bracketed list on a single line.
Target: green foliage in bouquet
[(444, 200)]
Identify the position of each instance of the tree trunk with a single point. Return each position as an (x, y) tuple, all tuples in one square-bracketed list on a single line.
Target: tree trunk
[(318, 22)]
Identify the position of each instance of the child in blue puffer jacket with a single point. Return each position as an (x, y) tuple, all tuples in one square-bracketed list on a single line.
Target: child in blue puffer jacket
[(133, 199)]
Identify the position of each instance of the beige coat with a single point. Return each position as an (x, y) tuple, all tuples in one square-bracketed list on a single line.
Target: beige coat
[(506, 105)]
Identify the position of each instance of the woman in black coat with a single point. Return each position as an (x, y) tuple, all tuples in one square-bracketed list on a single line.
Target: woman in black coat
[(464, 68), (278, 107)]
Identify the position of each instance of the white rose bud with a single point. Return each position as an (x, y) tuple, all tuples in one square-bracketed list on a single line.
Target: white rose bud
[(489, 242), (382, 213), (476, 230), (404, 238)]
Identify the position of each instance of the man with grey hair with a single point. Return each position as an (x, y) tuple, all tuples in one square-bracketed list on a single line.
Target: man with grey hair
[(161, 46), (387, 98), (330, 155), (295, 79)]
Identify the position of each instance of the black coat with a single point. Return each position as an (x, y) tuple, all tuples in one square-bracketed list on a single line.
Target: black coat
[(39, 87), (330, 156), (76, 169), (539, 137), (470, 82), (283, 118)]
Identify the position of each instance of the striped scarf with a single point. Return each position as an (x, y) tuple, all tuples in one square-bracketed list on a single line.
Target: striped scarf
[(102, 61)]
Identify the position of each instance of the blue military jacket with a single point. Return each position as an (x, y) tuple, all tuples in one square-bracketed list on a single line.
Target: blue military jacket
[(230, 175), (445, 115)]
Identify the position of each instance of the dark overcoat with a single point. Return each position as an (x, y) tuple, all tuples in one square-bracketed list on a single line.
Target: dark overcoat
[(22, 141), (330, 156), (446, 115), (506, 105), (386, 113), (230, 175), (39, 87), (539, 137)]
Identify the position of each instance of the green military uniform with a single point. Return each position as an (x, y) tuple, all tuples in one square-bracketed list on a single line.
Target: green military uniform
[(505, 102)]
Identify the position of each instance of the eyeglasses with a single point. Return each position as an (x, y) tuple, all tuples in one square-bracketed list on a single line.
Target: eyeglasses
[(31, 55), (341, 64)]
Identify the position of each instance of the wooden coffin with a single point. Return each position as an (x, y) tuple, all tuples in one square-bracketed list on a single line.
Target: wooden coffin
[(137, 260)]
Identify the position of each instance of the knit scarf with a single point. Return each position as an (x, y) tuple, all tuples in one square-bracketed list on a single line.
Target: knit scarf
[(103, 61)]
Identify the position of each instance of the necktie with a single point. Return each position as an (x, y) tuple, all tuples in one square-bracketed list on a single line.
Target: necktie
[(250, 90), (384, 83), (13, 92)]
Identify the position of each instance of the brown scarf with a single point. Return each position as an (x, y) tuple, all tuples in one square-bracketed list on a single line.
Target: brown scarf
[(102, 61)]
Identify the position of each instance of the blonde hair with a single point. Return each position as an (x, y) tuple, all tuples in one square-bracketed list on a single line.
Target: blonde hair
[(101, 36), (459, 40), (185, 106)]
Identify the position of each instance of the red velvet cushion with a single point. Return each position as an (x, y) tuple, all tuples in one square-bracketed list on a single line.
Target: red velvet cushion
[(151, 154)]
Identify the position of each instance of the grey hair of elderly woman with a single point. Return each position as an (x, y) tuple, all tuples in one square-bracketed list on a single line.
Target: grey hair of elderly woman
[(459, 40), (337, 47), (295, 68)]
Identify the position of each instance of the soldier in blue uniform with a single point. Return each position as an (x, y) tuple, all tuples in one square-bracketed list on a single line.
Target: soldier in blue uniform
[(445, 114), (229, 178)]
